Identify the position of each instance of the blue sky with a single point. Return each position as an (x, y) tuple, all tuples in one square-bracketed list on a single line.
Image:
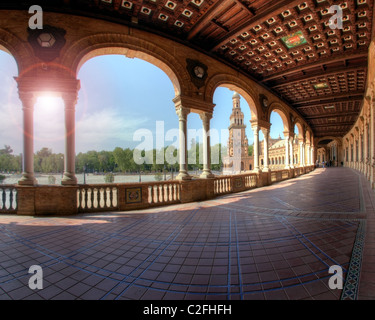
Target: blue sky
[(118, 97)]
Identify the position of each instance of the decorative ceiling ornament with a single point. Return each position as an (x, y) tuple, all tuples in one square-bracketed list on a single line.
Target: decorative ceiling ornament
[(264, 102), (197, 71), (294, 40), (47, 42)]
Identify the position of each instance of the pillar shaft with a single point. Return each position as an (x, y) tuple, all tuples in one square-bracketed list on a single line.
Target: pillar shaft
[(182, 118), (28, 102), (291, 152), (372, 142), (69, 177), (255, 129), (287, 153), (206, 118), (266, 133), (302, 154)]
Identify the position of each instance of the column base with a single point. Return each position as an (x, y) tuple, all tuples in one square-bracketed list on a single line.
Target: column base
[(266, 170), (69, 180), (27, 180), (207, 175), (183, 175)]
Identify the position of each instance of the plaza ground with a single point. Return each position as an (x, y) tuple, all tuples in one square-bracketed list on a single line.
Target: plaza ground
[(276, 242)]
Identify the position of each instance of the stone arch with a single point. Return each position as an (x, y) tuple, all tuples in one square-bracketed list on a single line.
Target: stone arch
[(301, 129), (233, 83), (21, 52), (105, 44), (282, 112), (320, 139)]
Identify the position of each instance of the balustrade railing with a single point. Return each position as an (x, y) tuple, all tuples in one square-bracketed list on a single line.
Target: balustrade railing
[(114, 197), (97, 198), (8, 198), (223, 185), (164, 192), (251, 181)]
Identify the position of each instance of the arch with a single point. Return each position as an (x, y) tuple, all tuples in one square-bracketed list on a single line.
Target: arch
[(322, 139), (301, 131), (21, 53), (233, 83), (282, 112), (132, 47)]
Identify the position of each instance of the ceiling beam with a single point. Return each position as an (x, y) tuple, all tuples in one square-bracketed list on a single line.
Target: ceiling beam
[(316, 64), (330, 134), (332, 115), (207, 18), (341, 97), (268, 12), (320, 73), (328, 124)]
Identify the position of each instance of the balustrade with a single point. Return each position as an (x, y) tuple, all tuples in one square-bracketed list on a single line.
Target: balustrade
[(111, 197), (97, 198), (8, 198), (164, 193)]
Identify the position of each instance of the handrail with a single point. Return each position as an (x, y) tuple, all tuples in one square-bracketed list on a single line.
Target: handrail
[(126, 196), (8, 198)]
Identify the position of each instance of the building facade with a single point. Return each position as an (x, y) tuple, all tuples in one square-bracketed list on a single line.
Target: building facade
[(238, 158)]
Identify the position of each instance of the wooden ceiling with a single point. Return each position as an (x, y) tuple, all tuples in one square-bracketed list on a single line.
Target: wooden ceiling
[(287, 45)]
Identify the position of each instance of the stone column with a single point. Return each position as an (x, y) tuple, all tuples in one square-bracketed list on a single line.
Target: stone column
[(301, 156), (266, 133), (287, 152), (367, 151), (372, 141), (28, 102), (255, 129), (69, 177), (206, 118), (291, 152), (308, 154), (182, 118)]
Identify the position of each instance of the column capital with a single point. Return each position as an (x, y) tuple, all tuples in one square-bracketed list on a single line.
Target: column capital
[(28, 99), (205, 115), (182, 113), (254, 125), (265, 131), (70, 99)]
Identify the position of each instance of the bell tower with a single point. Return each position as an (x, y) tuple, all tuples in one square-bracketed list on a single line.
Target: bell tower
[(237, 127), (237, 158)]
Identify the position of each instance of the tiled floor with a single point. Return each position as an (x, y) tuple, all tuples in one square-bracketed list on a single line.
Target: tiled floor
[(276, 242)]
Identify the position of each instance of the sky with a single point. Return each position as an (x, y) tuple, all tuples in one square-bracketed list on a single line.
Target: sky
[(122, 102)]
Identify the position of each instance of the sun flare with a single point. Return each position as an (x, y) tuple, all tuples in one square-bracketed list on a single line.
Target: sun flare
[(48, 103)]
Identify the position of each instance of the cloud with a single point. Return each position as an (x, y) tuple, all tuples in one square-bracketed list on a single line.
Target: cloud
[(106, 129)]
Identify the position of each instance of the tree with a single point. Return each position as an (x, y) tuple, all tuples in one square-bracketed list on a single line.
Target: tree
[(8, 161), (109, 178), (250, 150), (7, 150)]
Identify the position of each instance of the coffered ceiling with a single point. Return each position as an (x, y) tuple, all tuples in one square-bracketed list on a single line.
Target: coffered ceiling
[(287, 45)]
